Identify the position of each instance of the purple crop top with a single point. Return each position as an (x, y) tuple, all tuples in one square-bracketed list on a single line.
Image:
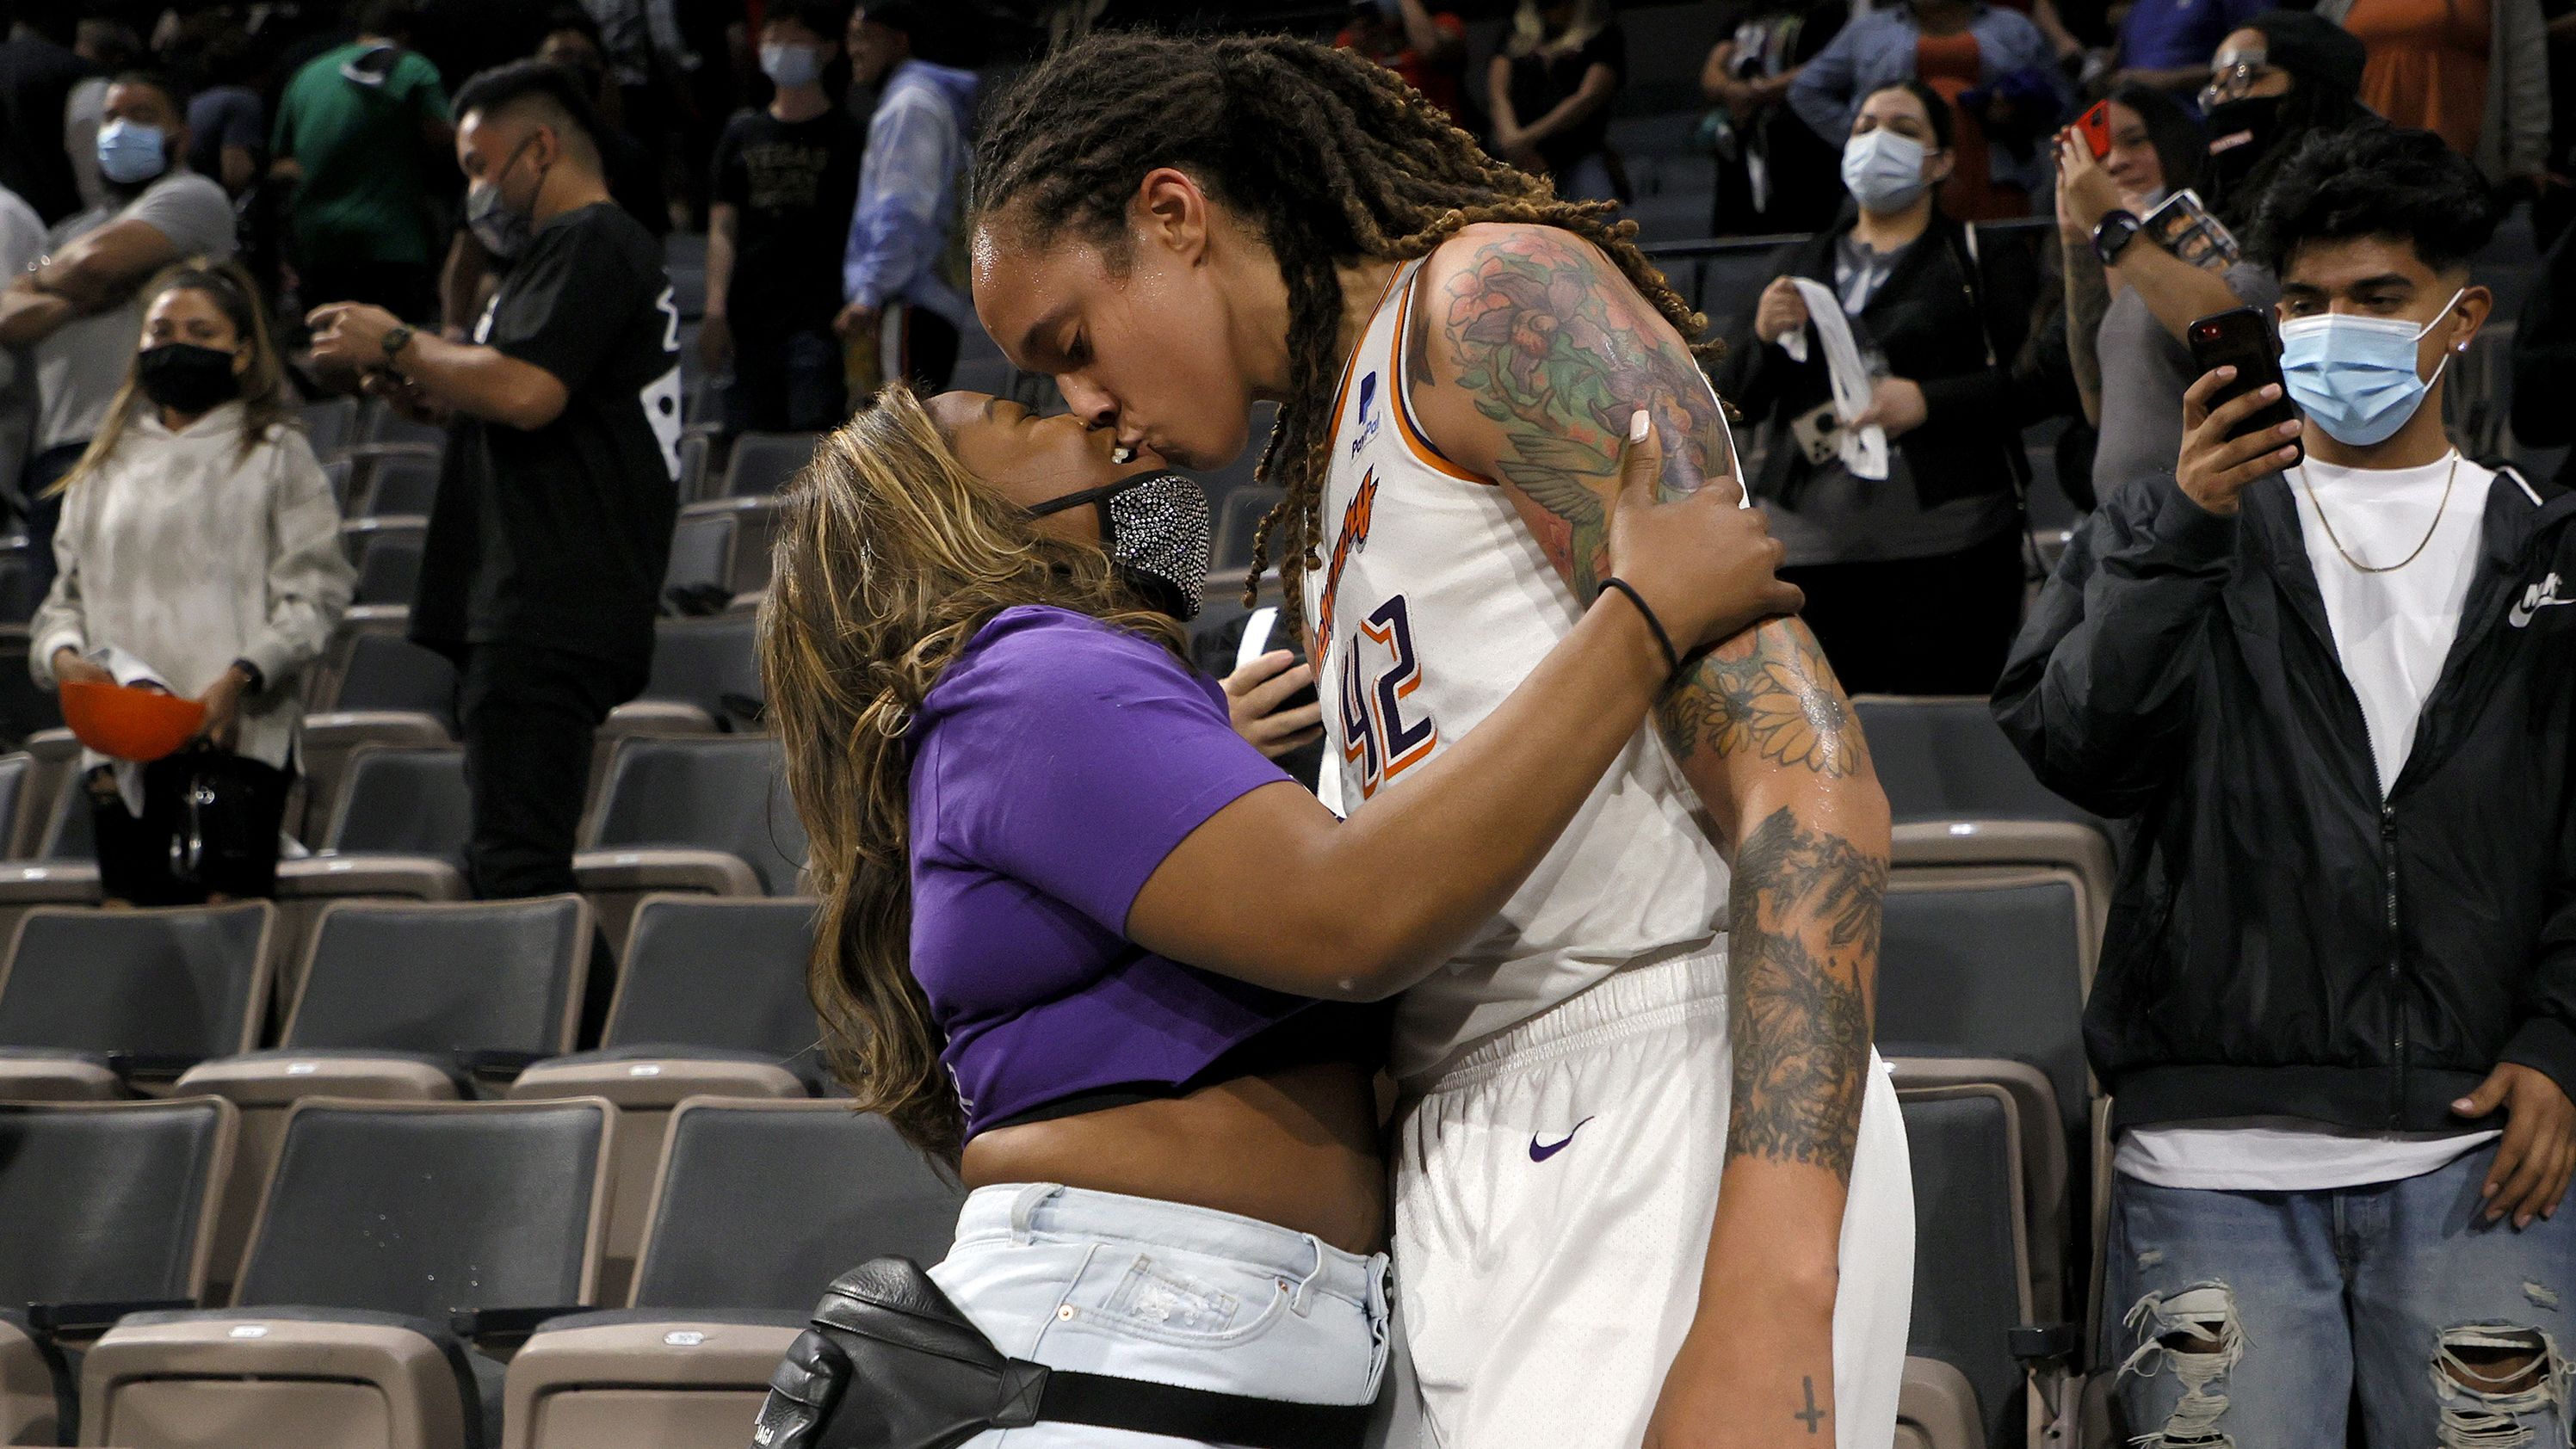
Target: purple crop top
[(1055, 764)]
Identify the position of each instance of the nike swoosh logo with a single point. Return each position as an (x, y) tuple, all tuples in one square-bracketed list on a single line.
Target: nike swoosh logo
[(1541, 1152), (2520, 615)]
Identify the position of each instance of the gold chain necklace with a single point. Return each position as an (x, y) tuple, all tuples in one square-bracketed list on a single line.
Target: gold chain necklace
[(2448, 479)]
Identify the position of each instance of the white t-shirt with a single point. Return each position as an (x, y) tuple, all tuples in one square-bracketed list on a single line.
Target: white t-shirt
[(2392, 632)]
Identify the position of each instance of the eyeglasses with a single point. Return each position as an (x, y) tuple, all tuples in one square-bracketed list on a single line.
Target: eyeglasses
[(2234, 80)]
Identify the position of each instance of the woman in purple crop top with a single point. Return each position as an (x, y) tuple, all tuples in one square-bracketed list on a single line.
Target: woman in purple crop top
[(1084, 943)]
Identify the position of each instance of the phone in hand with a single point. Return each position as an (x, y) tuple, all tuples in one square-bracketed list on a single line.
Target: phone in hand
[(2095, 127), (2242, 339), (1258, 627)]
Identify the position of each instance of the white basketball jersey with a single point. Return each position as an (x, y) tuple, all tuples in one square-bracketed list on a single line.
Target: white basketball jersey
[(1434, 603)]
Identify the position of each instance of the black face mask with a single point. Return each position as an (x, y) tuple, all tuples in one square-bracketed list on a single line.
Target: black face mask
[(1155, 528), (2258, 119), (187, 378)]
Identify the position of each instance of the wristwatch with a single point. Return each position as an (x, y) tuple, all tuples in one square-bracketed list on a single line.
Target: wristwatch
[(2110, 238), (400, 337)]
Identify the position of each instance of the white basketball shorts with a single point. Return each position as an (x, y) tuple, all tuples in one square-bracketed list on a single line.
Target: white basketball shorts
[(1553, 1194)]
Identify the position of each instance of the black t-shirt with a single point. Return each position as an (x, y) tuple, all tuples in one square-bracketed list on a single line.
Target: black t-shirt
[(36, 80), (558, 536), (795, 186), (1541, 80)]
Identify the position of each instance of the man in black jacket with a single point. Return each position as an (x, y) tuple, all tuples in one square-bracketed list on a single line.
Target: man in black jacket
[(2337, 1005)]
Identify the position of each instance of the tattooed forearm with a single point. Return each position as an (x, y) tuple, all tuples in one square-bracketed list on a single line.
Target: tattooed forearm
[(1801, 947), (1554, 345)]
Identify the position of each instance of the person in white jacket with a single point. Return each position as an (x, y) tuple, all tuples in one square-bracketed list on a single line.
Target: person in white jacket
[(200, 542)]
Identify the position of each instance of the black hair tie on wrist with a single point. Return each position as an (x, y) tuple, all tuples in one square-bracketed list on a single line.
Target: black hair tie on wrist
[(1672, 656)]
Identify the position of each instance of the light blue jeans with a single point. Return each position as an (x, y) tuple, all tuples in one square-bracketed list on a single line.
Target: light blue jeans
[(2394, 1294), (1143, 1289)]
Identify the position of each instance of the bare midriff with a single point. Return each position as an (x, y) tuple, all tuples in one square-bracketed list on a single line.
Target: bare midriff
[(1297, 1148)]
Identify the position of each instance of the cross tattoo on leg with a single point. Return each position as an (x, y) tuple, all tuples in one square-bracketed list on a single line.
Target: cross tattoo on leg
[(1811, 1416)]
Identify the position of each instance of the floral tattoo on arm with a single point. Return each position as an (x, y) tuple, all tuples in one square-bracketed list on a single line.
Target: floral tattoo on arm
[(1552, 343)]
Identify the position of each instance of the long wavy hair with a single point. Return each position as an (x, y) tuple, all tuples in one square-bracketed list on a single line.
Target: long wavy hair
[(889, 556), (266, 402), (1330, 156)]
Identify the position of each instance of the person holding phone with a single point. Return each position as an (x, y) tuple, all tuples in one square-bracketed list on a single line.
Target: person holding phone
[(2337, 1009), (1913, 578)]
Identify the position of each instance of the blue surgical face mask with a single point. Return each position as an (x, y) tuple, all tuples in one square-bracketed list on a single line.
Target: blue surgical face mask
[(2355, 376), (1884, 170), (790, 66), (131, 154)]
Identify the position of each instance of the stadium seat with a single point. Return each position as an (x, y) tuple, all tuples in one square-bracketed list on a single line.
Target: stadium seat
[(389, 567), (401, 485), (1936, 1408), (763, 462), (381, 428), (24, 709), (1238, 518), (17, 768), (1961, 796), (704, 680), (755, 521), (330, 426), (97, 1004), (701, 553), (1983, 978), (1971, 1262), (759, 1205), (397, 829), (341, 473), (53, 862), (377, 687), (109, 1206), (394, 1239), (711, 1002), (695, 449), (406, 1002), (705, 816)]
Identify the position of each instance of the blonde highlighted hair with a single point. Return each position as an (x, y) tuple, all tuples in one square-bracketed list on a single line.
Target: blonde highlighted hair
[(889, 556)]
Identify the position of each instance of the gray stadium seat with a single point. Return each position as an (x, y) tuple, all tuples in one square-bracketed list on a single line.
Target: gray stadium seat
[(1936, 1408), (93, 1001), (406, 1001), (1971, 1278), (1984, 978), (397, 829), (707, 816), (17, 769), (385, 1229), (401, 485), (701, 553), (380, 427), (711, 1002), (52, 862), (704, 680), (1238, 518), (331, 425), (24, 709), (763, 462), (107, 1203), (694, 450), (389, 567), (759, 1205), (376, 687)]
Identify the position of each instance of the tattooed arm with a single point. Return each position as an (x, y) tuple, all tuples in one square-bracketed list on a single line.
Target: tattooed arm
[(1529, 350)]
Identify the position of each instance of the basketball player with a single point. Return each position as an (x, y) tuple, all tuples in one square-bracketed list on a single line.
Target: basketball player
[(1651, 1181)]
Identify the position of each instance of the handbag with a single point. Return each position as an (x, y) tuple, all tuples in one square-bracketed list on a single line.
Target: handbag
[(890, 1363)]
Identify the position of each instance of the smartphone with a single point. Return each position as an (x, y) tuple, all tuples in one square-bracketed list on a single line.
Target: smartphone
[(2095, 127), (2243, 339), (1258, 626)]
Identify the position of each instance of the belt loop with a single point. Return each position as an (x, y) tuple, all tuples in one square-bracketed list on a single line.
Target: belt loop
[(1314, 1245), (1025, 1206)]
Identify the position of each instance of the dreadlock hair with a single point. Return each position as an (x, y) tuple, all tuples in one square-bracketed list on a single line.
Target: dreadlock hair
[(1330, 158)]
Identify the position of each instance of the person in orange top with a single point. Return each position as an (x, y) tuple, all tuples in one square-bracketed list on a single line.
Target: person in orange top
[(2474, 72)]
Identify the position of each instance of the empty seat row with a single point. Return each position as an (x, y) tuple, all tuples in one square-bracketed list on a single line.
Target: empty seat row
[(402, 1248)]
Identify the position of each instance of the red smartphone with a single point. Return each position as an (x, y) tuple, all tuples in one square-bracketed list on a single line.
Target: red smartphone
[(2242, 339), (2095, 126)]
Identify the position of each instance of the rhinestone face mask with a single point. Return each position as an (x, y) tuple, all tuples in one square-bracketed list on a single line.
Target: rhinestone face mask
[(1155, 529)]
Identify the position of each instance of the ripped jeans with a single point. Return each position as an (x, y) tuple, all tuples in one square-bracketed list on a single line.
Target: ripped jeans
[(2255, 1320)]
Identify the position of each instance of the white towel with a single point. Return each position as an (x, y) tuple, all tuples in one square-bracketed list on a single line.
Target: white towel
[(1864, 449)]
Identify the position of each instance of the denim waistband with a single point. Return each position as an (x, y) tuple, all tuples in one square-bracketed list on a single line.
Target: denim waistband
[(1023, 1211)]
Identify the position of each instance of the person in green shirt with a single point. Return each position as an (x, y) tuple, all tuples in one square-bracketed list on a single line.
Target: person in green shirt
[(356, 133)]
